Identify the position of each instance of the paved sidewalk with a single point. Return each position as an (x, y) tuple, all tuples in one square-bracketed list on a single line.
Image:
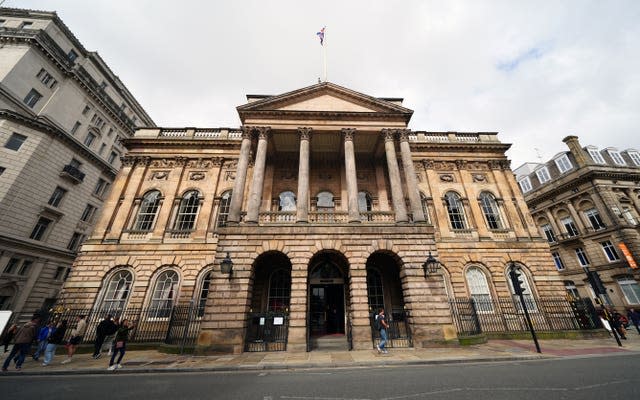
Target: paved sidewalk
[(494, 350)]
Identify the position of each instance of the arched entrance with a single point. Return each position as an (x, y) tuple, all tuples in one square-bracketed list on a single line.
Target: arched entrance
[(328, 302)]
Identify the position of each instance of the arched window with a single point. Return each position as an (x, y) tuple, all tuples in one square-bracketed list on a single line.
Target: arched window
[(223, 208), (375, 290), (490, 210), (204, 292), (425, 207), (325, 201), (528, 293), (479, 289), (164, 294), (148, 211), (117, 292), (455, 210), (287, 201), (188, 211), (279, 291)]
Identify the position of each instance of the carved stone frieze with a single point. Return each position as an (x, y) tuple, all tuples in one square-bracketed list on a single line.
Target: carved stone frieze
[(348, 133), (159, 175), (461, 164), (428, 164), (204, 162), (388, 135), (479, 177), (403, 134), (447, 178), (169, 162), (305, 133), (197, 175)]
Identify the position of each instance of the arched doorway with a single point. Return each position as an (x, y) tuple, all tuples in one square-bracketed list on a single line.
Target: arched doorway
[(328, 302)]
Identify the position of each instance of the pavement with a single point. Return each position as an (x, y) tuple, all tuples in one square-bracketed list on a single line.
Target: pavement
[(151, 361)]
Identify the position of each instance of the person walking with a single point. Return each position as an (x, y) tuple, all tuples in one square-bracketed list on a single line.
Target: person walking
[(8, 335), (105, 328), (616, 321), (43, 336), (381, 323), (122, 336), (23, 339), (56, 338), (634, 318), (76, 338)]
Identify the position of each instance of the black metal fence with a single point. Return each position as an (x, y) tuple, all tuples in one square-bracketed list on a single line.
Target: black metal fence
[(177, 325), (473, 316), (267, 331), (398, 334)]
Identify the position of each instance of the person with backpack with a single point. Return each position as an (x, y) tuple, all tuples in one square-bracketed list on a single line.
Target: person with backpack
[(43, 336), (56, 338), (380, 323), (23, 339), (105, 328)]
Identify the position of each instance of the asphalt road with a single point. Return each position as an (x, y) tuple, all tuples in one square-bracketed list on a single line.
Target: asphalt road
[(606, 377)]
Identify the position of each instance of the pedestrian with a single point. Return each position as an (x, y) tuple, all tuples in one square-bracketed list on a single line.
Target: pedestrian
[(382, 325), (105, 328), (634, 318), (23, 339), (76, 338), (8, 335), (122, 336), (43, 335), (109, 341), (56, 338), (616, 321)]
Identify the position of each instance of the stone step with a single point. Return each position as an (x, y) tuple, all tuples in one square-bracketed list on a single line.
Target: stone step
[(330, 343)]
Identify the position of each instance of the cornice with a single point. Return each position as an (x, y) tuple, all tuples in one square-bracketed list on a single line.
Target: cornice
[(43, 125), (333, 115)]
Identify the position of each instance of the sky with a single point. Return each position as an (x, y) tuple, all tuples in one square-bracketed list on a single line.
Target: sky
[(533, 71)]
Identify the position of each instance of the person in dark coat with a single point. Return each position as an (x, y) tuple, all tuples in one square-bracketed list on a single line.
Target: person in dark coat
[(105, 328), (634, 318), (122, 336), (8, 335), (56, 338), (23, 339)]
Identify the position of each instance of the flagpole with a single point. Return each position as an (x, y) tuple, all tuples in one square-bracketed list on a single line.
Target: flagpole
[(324, 59)]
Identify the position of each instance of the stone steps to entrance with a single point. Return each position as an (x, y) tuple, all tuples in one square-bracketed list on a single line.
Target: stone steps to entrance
[(330, 343)]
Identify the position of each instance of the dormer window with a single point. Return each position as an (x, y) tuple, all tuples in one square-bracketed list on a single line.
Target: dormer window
[(596, 156), (563, 163), (525, 184), (543, 175), (616, 157), (635, 157)]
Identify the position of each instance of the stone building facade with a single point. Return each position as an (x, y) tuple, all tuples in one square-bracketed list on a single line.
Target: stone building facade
[(586, 202), (327, 206), (63, 113)]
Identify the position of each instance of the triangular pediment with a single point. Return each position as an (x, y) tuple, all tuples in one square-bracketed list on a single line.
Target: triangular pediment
[(324, 97)]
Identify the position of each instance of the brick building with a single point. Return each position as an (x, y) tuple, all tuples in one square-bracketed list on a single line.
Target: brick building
[(327, 206)]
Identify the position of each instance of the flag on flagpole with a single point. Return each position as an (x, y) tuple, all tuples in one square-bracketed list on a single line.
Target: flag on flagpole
[(321, 36)]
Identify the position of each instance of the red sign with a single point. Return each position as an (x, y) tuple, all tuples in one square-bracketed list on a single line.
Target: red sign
[(627, 255)]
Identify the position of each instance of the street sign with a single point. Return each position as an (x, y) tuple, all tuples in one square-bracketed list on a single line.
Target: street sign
[(627, 254)]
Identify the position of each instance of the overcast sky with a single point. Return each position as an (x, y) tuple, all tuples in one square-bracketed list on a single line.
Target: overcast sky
[(534, 71)]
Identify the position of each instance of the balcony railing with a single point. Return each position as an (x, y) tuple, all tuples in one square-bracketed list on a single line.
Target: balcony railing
[(73, 173)]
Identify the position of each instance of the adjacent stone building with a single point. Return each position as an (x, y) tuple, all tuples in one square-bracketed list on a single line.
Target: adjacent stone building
[(63, 114), (327, 206), (586, 202)]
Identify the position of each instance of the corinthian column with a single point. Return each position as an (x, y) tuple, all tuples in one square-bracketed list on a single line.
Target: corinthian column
[(255, 195), (241, 176), (394, 177), (410, 177), (350, 172), (302, 208)]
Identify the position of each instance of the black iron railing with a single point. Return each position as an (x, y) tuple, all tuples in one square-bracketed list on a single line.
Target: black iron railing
[(474, 316), (398, 334), (73, 172), (267, 331)]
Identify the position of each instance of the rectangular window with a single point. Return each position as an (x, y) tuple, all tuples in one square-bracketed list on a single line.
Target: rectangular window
[(72, 55), (571, 289), (15, 141), (87, 214), (75, 163), (89, 139), (26, 24), (57, 196), (103, 85), (100, 186), (102, 147), (25, 267), (563, 163), (110, 132), (630, 289), (525, 184), (558, 261), (596, 156), (635, 157), (594, 218), (40, 229), (609, 251), (570, 227), (75, 128), (46, 78), (86, 109), (616, 157), (112, 157), (32, 98), (548, 232), (543, 175), (11, 266), (582, 257), (76, 240), (628, 215), (59, 273)]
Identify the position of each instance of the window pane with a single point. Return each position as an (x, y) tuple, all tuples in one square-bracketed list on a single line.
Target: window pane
[(15, 141)]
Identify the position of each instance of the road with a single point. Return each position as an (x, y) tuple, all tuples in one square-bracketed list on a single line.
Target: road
[(604, 377)]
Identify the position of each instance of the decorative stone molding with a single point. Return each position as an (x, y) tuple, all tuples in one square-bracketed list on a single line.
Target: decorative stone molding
[(204, 162), (447, 178), (461, 164), (403, 134), (305, 133), (388, 135), (247, 132), (197, 176), (128, 161), (479, 177), (263, 132), (348, 134), (428, 164), (169, 162), (159, 175)]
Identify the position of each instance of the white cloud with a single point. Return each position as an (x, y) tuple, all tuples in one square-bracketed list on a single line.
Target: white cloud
[(533, 71)]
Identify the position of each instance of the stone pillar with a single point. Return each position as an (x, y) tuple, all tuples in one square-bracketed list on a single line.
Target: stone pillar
[(237, 195), (359, 313), (112, 204), (552, 221), (350, 173), (394, 177), (576, 218), (410, 177), (297, 338), (255, 194), (302, 204)]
